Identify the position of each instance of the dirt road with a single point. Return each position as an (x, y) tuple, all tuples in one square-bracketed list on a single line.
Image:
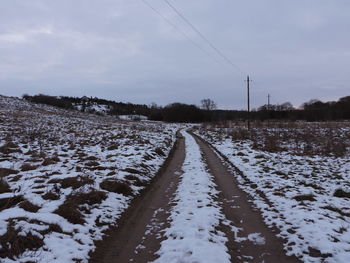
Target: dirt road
[(140, 233)]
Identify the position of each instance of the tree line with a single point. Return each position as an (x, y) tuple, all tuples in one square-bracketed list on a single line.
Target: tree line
[(313, 110)]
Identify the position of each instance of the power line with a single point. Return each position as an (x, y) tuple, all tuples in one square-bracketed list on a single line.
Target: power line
[(181, 32), (220, 53)]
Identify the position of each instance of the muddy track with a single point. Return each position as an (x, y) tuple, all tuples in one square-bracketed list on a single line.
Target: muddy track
[(139, 233), (136, 239), (252, 241)]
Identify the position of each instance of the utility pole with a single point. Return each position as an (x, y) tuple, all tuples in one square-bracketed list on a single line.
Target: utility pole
[(248, 97), (268, 110)]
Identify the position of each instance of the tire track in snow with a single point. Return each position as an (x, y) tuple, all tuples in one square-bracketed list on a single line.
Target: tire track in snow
[(193, 235)]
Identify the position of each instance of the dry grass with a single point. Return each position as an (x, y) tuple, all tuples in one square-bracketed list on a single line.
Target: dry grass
[(91, 158), (337, 210), (314, 252), (9, 147), (132, 171), (116, 186), (6, 203), (135, 180), (49, 161), (301, 138), (73, 182), (5, 172), (28, 206), (50, 196), (13, 244), (159, 151), (341, 193), (307, 197), (92, 163), (28, 167), (4, 186), (70, 208)]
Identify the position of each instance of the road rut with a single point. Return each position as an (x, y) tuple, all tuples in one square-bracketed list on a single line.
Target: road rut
[(140, 235)]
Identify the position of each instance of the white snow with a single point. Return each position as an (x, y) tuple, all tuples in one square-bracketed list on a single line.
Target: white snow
[(193, 235)]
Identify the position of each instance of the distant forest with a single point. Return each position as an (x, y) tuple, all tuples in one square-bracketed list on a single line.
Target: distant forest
[(314, 110)]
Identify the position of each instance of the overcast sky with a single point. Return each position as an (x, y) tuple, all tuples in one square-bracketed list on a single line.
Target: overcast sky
[(122, 50)]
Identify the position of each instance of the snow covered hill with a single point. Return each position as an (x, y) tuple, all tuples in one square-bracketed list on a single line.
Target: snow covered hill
[(66, 176)]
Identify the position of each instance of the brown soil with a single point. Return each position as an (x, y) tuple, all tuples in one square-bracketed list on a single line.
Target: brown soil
[(137, 237)]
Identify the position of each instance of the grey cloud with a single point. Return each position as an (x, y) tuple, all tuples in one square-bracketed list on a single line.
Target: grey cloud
[(295, 50)]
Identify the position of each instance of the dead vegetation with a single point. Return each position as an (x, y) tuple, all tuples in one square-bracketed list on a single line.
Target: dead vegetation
[(9, 202), (306, 197), (4, 186), (301, 138), (28, 206), (28, 167), (341, 193), (71, 208), (10, 147), (116, 186), (50, 196), (49, 161), (14, 244), (73, 182), (6, 171)]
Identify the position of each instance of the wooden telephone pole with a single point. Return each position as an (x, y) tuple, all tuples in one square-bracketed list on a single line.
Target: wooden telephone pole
[(268, 110), (248, 97)]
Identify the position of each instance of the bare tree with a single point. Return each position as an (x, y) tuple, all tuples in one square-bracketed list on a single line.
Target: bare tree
[(286, 106), (208, 104)]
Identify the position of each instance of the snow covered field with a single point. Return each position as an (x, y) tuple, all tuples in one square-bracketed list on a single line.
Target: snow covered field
[(193, 235), (307, 197), (66, 176)]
